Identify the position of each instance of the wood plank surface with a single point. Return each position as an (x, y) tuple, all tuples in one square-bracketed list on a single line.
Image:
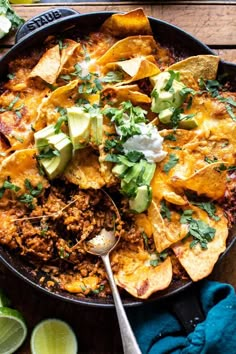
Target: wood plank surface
[(214, 24)]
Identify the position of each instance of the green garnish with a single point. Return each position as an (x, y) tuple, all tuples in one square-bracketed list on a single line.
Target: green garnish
[(173, 160), (160, 257), (201, 232), (8, 185), (165, 211), (209, 208)]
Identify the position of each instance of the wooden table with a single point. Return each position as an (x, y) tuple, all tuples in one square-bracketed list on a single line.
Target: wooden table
[(213, 22)]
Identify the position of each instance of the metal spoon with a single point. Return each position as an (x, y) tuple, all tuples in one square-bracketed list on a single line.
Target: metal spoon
[(101, 245)]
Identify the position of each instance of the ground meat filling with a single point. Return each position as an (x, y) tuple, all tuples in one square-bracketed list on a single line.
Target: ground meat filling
[(52, 236)]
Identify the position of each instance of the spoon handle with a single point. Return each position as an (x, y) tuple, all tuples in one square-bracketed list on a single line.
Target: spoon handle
[(130, 344)]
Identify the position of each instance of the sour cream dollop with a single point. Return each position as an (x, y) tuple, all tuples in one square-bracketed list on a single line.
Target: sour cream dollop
[(149, 142)]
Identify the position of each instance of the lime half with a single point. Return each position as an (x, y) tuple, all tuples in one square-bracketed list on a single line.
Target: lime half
[(13, 330), (53, 336)]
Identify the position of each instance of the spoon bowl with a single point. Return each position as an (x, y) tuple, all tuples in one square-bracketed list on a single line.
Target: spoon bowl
[(103, 243)]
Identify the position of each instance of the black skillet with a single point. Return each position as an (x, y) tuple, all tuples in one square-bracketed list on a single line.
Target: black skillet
[(57, 21)]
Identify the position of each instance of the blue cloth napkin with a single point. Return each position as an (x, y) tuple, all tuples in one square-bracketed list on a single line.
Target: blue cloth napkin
[(158, 331)]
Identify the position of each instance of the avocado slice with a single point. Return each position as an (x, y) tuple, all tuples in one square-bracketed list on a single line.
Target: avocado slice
[(142, 199), (40, 137), (56, 165), (96, 129), (187, 124), (79, 126), (148, 172), (119, 169), (165, 115), (163, 98)]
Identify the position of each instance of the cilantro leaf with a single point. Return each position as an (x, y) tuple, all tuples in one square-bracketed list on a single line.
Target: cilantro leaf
[(209, 208), (165, 211), (173, 160), (8, 185), (201, 232)]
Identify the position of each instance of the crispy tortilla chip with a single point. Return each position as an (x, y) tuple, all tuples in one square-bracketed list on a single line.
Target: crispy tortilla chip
[(188, 79), (209, 181), (128, 48), (84, 170), (130, 23), (197, 262), (137, 275), (136, 68), (162, 189), (165, 232), (69, 47), (48, 66), (119, 94), (21, 165), (61, 97), (201, 66)]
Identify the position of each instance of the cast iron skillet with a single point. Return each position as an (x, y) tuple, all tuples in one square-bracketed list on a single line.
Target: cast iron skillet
[(57, 21)]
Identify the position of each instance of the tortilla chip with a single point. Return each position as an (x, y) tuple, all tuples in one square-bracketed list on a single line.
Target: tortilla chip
[(130, 23), (69, 47), (186, 77), (119, 94), (165, 232), (201, 66), (48, 66), (137, 275), (209, 181), (197, 262), (21, 165), (136, 68), (128, 48), (83, 170), (61, 97)]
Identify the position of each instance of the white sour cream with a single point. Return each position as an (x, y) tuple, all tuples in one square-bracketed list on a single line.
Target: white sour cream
[(149, 142)]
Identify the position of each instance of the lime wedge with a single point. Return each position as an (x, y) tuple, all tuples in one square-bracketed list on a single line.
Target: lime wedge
[(53, 336), (13, 330)]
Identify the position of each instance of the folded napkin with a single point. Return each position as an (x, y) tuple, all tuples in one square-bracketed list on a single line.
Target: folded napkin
[(158, 331)]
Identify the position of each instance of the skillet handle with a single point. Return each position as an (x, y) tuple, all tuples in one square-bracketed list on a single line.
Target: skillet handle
[(43, 20), (187, 308)]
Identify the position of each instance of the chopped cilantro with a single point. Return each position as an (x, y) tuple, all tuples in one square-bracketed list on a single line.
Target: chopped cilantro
[(165, 211), (213, 87), (174, 75), (48, 153), (97, 291), (201, 232), (34, 191), (210, 160), (27, 199), (145, 240), (62, 119), (8, 185), (62, 253), (134, 156), (173, 160), (160, 257), (209, 208), (170, 137)]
